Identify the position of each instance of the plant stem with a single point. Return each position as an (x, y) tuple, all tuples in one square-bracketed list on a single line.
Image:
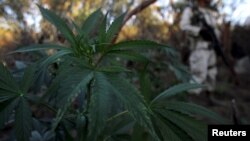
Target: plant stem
[(88, 95), (117, 115), (49, 107), (100, 59)]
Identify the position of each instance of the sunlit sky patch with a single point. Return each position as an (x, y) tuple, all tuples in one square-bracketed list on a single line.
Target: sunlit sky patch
[(237, 11), (242, 11)]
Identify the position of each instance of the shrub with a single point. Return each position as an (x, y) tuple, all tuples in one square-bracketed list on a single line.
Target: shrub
[(92, 93)]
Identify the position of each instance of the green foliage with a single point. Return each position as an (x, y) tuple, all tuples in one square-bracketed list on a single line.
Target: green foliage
[(59, 23), (114, 28), (189, 109), (38, 47), (175, 90), (108, 103), (133, 101), (14, 97), (23, 118), (90, 23), (182, 126)]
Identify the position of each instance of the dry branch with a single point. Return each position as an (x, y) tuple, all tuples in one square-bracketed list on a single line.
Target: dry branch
[(135, 11)]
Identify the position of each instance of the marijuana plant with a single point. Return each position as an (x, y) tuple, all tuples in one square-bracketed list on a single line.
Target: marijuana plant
[(92, 93)]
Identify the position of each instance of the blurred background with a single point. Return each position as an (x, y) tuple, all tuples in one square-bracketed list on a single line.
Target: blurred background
[(22, 24)]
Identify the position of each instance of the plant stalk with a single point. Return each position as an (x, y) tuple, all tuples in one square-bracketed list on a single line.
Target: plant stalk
[(117, 115)]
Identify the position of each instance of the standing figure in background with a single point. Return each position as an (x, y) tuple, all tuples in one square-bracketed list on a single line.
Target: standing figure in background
[(202, 60)]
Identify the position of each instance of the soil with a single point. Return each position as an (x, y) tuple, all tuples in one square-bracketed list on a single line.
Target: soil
[(230, 98)]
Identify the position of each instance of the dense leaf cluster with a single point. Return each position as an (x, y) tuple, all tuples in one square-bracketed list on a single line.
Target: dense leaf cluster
[(91, 75)]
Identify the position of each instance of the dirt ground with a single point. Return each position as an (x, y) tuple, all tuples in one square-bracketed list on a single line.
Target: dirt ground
[(226, 92)]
